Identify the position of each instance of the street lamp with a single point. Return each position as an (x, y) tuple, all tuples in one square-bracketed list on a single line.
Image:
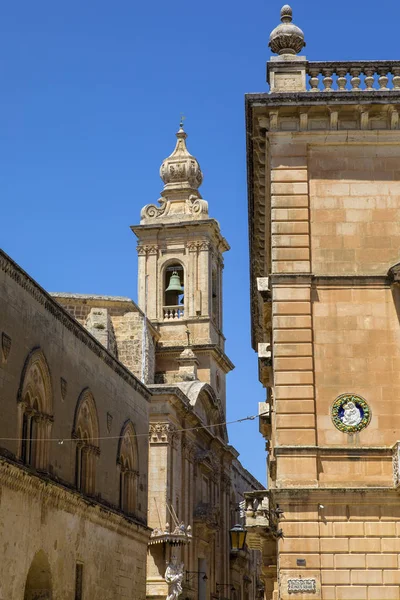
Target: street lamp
[(237, 537)]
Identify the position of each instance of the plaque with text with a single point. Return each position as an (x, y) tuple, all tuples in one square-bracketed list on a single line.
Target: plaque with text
[(302, 586)]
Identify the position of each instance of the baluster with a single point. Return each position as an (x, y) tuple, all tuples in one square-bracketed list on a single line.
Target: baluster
[(314, 80), (355, 79), (383, 78), (369, 77), (396, 78), (341, 78), (327, 79)]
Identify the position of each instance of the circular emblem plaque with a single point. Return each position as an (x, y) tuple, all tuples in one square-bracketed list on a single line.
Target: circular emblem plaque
[(350, 413)]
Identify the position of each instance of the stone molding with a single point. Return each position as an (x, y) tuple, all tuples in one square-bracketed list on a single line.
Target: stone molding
[(12, 270), (161, 433), (54, 494), (147, 250)]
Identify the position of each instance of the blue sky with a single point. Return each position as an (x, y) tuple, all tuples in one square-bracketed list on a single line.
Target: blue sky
[(91, 94)]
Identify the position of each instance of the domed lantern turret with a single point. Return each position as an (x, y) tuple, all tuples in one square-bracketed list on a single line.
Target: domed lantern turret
[(181, 171), (182, 177)]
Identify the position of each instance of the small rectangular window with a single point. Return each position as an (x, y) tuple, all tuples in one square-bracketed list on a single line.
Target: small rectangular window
[(79, 581)]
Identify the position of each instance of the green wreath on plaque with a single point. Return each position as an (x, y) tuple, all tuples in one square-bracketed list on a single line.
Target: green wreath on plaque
[(350, 413)]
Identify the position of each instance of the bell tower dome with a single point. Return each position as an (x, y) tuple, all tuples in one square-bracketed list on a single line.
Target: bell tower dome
[(180, 268)]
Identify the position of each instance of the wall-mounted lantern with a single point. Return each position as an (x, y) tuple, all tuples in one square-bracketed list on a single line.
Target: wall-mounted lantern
[(237, 536)]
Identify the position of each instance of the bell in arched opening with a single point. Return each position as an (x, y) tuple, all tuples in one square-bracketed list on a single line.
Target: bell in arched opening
[(174, 289), (175, 284)]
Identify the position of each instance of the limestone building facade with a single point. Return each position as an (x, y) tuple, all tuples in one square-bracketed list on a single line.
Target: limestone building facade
[(115, 463), (73, 455), (324, 206)]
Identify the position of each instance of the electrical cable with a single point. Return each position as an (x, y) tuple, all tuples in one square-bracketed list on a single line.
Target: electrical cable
[(61, 441)]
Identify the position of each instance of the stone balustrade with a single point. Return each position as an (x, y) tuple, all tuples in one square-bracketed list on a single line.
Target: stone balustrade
[(257, 508), (173, 312), (355, 76)]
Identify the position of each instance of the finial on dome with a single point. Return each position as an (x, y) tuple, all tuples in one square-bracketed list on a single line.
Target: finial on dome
[(286, 14), (287, 38)]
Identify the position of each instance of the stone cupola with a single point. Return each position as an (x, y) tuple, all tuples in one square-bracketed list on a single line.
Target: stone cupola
[(181, 171), (182, 177)]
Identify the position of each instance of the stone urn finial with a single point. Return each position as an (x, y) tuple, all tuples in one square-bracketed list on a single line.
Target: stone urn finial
[(287, 38)]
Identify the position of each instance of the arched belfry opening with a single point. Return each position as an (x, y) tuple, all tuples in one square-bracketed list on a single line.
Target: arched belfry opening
[(38, 581), (174, 286)]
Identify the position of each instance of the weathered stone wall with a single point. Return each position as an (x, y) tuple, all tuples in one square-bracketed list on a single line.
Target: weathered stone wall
[(348, 541), (355, 206), (118, 324), (45, 511), (37, 518)]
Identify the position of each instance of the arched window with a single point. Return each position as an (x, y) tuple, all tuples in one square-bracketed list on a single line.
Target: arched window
[(86, 433), (127, 461), (35, 407), (174, 284), (38, 581)]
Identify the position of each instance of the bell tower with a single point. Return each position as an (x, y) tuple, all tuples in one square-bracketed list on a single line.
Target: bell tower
[(180, 253)]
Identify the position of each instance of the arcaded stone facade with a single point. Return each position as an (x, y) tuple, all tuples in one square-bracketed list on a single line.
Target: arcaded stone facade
[(324, 192), (73, 455)]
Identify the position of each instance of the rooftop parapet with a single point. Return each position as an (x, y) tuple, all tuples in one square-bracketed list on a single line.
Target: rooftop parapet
[(340, 76), (291, 73)]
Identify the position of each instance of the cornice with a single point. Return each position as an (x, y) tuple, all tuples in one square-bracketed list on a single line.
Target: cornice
[(342, 280), (14, 271), (20, 479), (335, 98), (345, 494), (256, 153), (184, 229), (222, 358), (348, 451)]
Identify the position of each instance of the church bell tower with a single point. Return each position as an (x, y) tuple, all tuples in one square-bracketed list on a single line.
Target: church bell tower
[(180, 253)]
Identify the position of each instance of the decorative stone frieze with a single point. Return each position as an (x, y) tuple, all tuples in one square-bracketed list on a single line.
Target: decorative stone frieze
[(179, 536), (54, 494), (161, 433)]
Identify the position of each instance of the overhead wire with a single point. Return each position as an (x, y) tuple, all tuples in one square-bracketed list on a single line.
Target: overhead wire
[(119, 437)]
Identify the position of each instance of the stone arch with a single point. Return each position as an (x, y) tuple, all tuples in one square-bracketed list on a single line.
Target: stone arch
[(38, 581), (166, 269), (128, 461), (86, 432), (35, 408), (207, 405)]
